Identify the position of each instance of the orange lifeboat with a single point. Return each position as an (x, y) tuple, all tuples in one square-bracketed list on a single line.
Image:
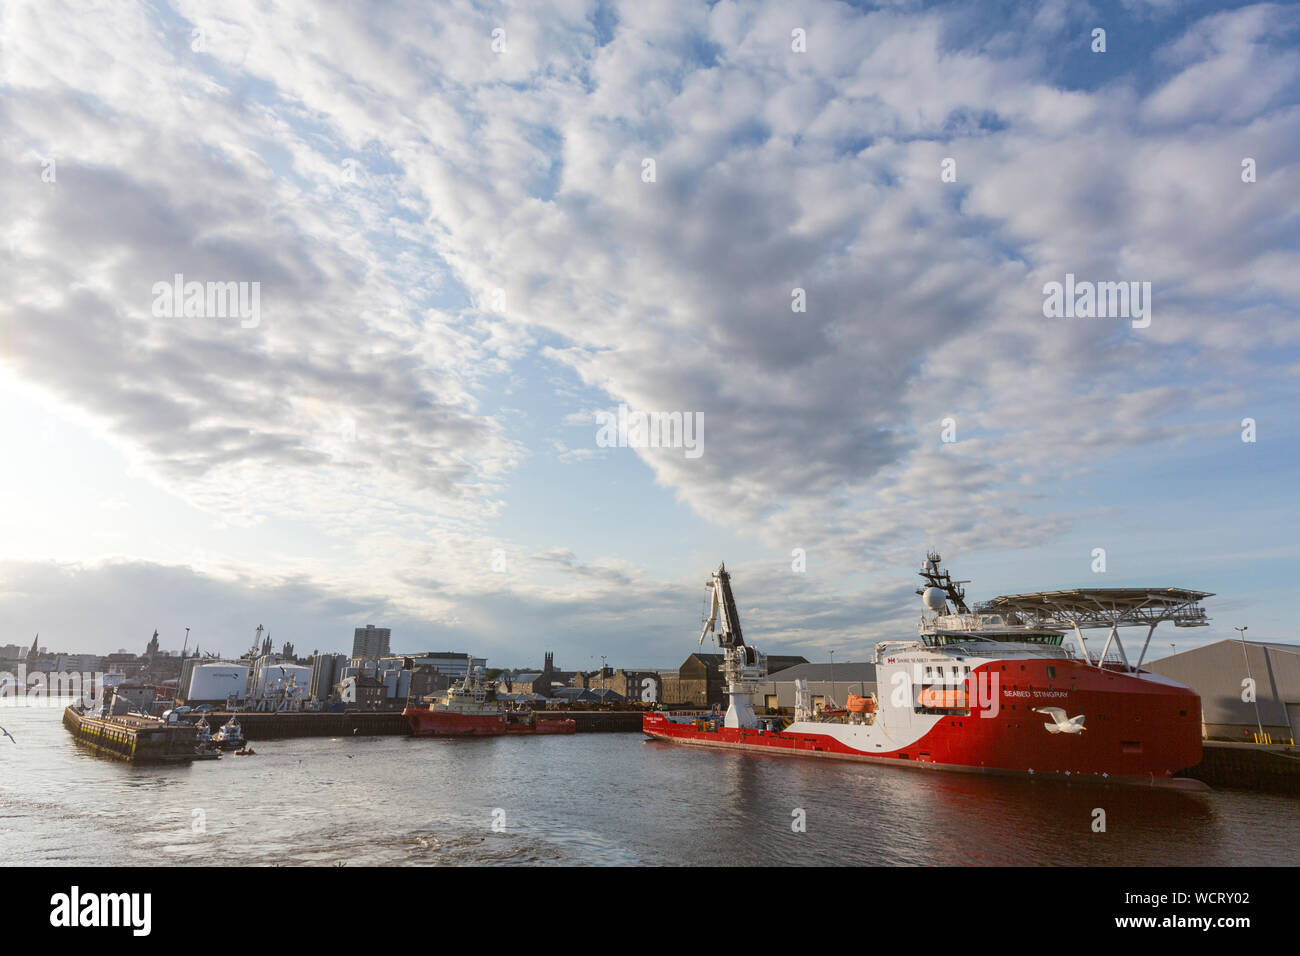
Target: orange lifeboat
[(861, 705), (944, 698)]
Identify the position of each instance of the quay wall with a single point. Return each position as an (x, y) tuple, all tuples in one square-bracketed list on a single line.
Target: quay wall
[(362, 723), (1269, 767)]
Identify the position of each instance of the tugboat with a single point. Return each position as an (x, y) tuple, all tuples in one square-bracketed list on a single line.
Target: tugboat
[(470, 709), (989, 690), (230, 736)]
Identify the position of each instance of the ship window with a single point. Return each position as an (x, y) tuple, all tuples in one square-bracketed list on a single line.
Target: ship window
[(1051, 671)]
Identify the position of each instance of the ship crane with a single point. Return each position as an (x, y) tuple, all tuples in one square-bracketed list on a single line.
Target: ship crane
[(744, 667)]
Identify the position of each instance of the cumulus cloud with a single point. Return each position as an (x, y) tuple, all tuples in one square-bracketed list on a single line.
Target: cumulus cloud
[(426, 214)]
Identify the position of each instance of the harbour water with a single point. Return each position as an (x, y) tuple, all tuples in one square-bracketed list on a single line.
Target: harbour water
[(603, 799)]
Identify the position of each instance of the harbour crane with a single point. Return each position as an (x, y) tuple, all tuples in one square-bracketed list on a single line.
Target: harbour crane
[(744, 667)]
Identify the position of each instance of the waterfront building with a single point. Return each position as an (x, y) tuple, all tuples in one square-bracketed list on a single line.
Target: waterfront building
[(214, 683), (826, 683), (698, 682), (426, 681), (629, 685), (326, 672), (454, 664), (523, 682), (362, 692), (76, 663), (1245, 687)]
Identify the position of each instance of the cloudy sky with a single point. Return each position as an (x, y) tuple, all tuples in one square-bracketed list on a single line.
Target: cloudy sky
[(461, 258)]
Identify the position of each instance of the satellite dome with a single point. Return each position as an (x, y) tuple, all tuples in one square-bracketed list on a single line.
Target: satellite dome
[(935, 599)]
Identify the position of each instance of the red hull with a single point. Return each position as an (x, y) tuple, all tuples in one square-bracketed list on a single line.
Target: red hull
[(1138, 732), (432, 723)]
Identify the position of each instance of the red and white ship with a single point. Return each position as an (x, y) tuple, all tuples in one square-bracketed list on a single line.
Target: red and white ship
[(468, 709), (995, 690)]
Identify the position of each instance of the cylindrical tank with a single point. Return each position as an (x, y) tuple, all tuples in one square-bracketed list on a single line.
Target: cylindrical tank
[(278, 676), (216, 682)]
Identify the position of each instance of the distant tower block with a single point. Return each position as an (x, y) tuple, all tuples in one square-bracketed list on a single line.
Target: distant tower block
[(371, 642)]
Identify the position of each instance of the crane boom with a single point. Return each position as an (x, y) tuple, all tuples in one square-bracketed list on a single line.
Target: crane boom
[(723, 600)]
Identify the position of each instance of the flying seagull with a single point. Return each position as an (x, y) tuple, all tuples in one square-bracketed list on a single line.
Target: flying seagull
[(1060, 723), (7, 734)]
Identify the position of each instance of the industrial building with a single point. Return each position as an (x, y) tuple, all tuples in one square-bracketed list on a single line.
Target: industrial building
[(698, 682), (215, 683), (454, 664), (326, 672), (826, 682), (1224, 674)]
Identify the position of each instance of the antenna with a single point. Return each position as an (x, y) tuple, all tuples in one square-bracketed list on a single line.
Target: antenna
[(935, 577)]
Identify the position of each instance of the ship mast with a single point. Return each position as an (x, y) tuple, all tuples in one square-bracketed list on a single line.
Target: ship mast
[(934, 577)]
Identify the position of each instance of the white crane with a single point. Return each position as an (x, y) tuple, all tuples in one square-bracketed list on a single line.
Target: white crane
[(744, 668)]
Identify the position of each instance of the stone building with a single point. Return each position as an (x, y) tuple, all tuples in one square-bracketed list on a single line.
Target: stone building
[(427, 681), (630, 685), (698, 682)]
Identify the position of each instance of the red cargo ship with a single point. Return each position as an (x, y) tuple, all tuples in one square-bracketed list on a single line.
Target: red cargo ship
[(469, 709), (988, 691)]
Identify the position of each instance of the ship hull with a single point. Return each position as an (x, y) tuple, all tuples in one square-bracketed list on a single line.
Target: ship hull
[(1138, 731), (432, 723)]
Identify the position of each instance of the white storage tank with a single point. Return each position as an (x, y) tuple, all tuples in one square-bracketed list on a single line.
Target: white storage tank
[(276, 677), (213, 683)]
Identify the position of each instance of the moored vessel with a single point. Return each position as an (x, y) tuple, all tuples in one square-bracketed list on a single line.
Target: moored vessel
[(133, 737), (994, 690), (469, 708), (230, 736)]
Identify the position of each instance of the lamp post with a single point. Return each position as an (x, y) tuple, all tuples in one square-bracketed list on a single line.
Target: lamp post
[(833, 677), (1254, 692), (177, 696)]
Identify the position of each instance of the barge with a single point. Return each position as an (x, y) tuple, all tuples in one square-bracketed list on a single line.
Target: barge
[(135, 738)]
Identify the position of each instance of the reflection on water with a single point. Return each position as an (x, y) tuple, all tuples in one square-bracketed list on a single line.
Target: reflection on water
[(594, 798)]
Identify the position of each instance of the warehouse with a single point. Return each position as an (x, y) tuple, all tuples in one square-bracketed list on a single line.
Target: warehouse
[(1224, 673), (827, 682), (698, 682)]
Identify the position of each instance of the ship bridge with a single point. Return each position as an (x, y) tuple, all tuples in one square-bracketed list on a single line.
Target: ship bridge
[(1110, 608)]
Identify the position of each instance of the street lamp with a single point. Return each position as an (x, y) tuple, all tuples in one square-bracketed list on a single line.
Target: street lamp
[(1254, 693), (832, 677)]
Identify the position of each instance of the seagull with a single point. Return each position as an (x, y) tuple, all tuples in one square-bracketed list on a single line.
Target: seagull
[(1060, 723), (7, 734)]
